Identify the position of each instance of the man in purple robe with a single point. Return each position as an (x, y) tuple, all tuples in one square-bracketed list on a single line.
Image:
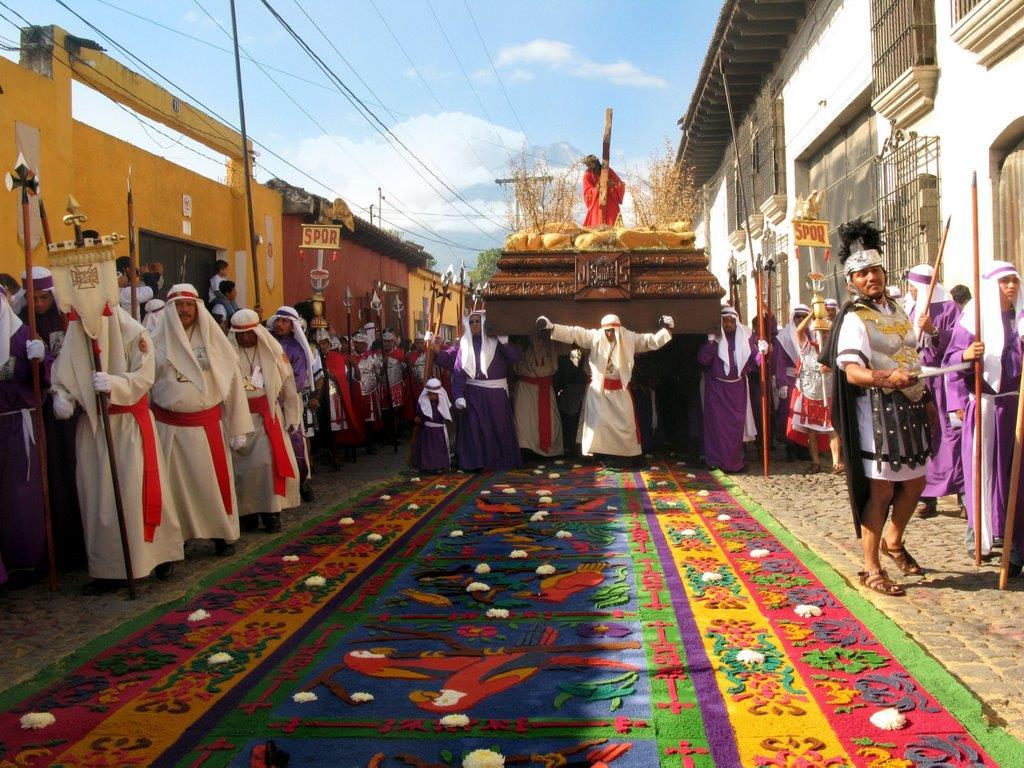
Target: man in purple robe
[(934, 329), (728, 358), (999, 348), (68, 538), (785, 356), (286, 329), (480, 365), (22, 534)]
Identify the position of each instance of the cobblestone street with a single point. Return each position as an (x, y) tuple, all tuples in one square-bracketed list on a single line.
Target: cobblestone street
[(40, 627), (954, 610)]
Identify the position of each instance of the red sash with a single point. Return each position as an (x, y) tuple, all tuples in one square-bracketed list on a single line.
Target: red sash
[(209, 420), (543, 384), (152, 499), (611, 385), (278, 452)]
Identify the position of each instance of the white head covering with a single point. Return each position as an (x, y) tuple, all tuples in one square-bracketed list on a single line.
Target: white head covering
[(42, 279), (268, 349), (488, 346), (992, 319), (370, 330), (787, 335), (173, 345), (742, 350), (444, 405), (921, 277), (289, 313), (831, 303), (9, 325), (360, 338), (154, 308)]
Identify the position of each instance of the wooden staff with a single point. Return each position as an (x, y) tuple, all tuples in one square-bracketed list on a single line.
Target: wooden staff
[(26, 180), (978, 380), (1011, 507), (133, 255), (937, 265), (606, 148)]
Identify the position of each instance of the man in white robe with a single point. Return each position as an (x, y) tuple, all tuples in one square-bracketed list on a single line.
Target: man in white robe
[(266, 473), (198, 400), (538, 423), (608, 422), (151, 517)]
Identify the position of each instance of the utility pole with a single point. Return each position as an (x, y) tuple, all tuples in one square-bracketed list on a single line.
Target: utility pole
[(503, 182), (246, 160), (380, 205)]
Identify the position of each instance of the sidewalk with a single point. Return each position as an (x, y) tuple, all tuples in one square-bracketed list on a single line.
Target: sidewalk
[(954, 610), (40, 627)]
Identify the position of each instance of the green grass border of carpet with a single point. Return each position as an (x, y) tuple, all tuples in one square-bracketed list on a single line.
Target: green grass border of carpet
[(62, 666), (947, 689)]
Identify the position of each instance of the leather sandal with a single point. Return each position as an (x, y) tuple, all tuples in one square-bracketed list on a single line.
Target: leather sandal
[(880, 582), (903, 559)]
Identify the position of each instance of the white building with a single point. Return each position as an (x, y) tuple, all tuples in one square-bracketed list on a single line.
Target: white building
[(889, 106)]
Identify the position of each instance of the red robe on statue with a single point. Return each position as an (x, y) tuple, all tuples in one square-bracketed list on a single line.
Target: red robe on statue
[(592, 194)]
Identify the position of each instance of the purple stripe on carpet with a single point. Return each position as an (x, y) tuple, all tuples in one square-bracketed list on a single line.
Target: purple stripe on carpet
[(721, 738)]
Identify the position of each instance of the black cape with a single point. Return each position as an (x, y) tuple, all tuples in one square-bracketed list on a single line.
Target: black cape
[(844, 419)]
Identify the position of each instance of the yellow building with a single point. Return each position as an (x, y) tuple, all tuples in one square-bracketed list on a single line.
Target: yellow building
[(184, 221), (421, 280)]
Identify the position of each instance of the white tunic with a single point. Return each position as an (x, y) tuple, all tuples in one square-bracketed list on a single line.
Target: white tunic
[(131, 378), (253, 463), (191, 478), (540, 360), (854, 336), (608, 421)]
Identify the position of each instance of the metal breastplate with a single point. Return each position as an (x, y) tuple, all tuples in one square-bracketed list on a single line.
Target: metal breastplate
[(811, 380), (394, 370), (418, 366), (893, 345), (367, 375)]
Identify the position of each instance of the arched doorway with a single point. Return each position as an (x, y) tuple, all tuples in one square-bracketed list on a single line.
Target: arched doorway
[(1010, 207)]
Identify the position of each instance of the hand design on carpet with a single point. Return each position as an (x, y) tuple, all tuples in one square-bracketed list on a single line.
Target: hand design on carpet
[(468, 675)]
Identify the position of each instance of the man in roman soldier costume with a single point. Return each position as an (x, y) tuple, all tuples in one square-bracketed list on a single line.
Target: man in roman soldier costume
[(416, 361), (402, 407), (785, 360), (340, 398), (200, 408), (369, 366), (286, 326), (52, 325), (266, 474), (879, 406)]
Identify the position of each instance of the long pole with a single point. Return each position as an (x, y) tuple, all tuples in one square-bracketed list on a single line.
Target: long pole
[(133, 254), (977, 371), (606, 147), (1011, 506), (938, 264), (37, 394), (246, 161), (765, 437)]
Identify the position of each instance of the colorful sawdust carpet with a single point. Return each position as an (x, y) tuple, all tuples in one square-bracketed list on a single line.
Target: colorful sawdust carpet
[(557, 616)]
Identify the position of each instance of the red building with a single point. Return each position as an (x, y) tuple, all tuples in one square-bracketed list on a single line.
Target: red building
[(368, 258)]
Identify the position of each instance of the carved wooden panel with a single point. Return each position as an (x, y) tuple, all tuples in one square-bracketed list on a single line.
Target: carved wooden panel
[(602, 275)]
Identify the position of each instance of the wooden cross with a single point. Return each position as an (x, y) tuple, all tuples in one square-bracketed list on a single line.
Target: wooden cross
[(606, 149)]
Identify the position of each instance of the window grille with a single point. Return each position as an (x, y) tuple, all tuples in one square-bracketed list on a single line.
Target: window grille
[(743, 177), (775, 250), (769, 150), (902, 36), (908, 201), (960, 8)]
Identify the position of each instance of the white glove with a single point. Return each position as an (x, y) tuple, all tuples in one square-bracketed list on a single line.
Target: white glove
[(783, 392), (460, 403), (428, 336), (63, 406), (237, 442), (762, 347), (543, 324), (101, 382), (711, 337), (503, 339), (35, 349), (668, 322)]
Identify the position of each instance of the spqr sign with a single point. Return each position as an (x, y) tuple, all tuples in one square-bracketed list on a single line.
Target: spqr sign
[(321, 236), (813, 234)]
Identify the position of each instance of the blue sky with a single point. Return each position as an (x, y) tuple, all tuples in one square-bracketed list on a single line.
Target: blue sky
[(561, 64)]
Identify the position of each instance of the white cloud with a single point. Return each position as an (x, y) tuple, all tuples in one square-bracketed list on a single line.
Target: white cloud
[(562, 57), (539, 51)]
